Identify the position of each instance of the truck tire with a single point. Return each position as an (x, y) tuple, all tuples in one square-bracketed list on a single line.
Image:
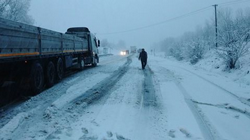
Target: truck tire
[(59, 69), (50, 74), (94, 64), (81, 63), (36, 78)]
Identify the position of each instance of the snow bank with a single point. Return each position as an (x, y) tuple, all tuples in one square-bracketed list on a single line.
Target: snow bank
[(78, 89), (13, 124), (213, 63)]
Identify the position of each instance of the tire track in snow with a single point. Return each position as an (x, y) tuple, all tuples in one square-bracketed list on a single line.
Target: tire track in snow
[(37, 105), (241, 99), (103, 103), (226, 106), (151, 121), (38, 109), (101, 89), (208, 131), (148, 92), (98, 91), (71, 111)]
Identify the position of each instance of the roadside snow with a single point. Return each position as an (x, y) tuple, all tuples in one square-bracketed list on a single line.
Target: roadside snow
[(223, 101), (78, 89), (213, 67), (13, 124)]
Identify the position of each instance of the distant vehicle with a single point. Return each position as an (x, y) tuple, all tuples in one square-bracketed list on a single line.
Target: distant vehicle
[(124, 52), (127, 51), (34, 56), (106, 50), (133, 49)]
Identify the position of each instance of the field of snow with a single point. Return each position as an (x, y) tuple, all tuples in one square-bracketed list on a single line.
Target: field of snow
[(119, 101)]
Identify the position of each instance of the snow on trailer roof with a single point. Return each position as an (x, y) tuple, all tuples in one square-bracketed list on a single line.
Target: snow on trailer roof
[(78, 29)]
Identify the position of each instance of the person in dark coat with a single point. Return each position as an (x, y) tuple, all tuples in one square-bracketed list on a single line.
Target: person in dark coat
[(143, 57)]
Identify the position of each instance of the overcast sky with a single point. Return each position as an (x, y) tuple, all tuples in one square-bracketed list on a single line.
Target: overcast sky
[(128, 20)]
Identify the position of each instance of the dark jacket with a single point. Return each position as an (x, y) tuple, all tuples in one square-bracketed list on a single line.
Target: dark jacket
[(143, 56)]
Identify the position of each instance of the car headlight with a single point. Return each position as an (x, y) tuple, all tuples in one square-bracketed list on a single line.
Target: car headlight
[(123, 53)]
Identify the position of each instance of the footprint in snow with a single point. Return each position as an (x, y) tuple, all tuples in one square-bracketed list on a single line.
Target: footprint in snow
[(95, 123), (58, 132), (52, 137), (120, 137), (171, 133), (110, 134), (184, 131), (84, 137), (85, 131), (237, 116), (69, 131)]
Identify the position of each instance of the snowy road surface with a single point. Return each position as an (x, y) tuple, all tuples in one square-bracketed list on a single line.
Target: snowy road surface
[(119, 101)]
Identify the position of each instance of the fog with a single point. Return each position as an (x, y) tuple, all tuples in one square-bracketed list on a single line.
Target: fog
[(139, 23)]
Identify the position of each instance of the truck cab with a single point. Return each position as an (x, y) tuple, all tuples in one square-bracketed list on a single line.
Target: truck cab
[(92, 42)]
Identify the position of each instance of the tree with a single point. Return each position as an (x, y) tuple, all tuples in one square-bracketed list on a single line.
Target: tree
[(121, 44), (105, 43), (190, 46), (233, 38), (198, 44), (16, 10)]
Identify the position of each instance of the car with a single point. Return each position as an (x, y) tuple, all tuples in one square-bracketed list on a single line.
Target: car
[(124, 52)]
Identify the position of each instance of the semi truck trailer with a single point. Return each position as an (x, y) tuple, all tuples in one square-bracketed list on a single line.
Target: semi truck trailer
[(35, 57)]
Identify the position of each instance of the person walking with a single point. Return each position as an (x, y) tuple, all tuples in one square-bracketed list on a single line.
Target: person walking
[(143, 57)]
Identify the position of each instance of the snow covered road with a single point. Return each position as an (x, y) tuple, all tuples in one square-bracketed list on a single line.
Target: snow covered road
[(118, 100)]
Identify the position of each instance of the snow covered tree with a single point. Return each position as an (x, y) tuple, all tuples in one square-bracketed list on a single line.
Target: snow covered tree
[(105, 43), (171, 47), (177, 49), (121, 44), (199, 43), (190, 46), (166, 45), (233, 37), (233, 40), (208, 35), (16, 10), (3, 5)]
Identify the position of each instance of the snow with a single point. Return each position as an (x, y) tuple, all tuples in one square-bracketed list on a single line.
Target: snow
[(78, 89), (168, 100), (13, 124), (219, 98)]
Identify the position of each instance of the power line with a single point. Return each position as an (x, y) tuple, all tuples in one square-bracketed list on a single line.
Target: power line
[(178, 17), (233, 2), (158, 23)]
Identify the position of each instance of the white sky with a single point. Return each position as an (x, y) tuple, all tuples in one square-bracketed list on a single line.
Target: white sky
[(108, 16)]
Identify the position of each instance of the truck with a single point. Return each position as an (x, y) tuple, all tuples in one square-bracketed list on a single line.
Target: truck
[(35, 57), (133, 49)]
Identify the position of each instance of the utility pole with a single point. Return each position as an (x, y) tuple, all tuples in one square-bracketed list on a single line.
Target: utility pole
[(216, 31)]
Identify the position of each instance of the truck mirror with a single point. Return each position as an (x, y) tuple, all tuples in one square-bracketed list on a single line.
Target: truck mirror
[(98, 43)]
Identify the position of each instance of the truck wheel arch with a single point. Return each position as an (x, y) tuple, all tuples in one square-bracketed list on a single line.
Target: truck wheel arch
[(36, 78), (50, 74), (59, 68), (95, 61), (81, 63)]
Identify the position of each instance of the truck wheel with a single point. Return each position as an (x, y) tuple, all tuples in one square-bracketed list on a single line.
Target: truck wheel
[(94, 64), (59, 69), (36, 78), (81, 64), (50, 74)]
